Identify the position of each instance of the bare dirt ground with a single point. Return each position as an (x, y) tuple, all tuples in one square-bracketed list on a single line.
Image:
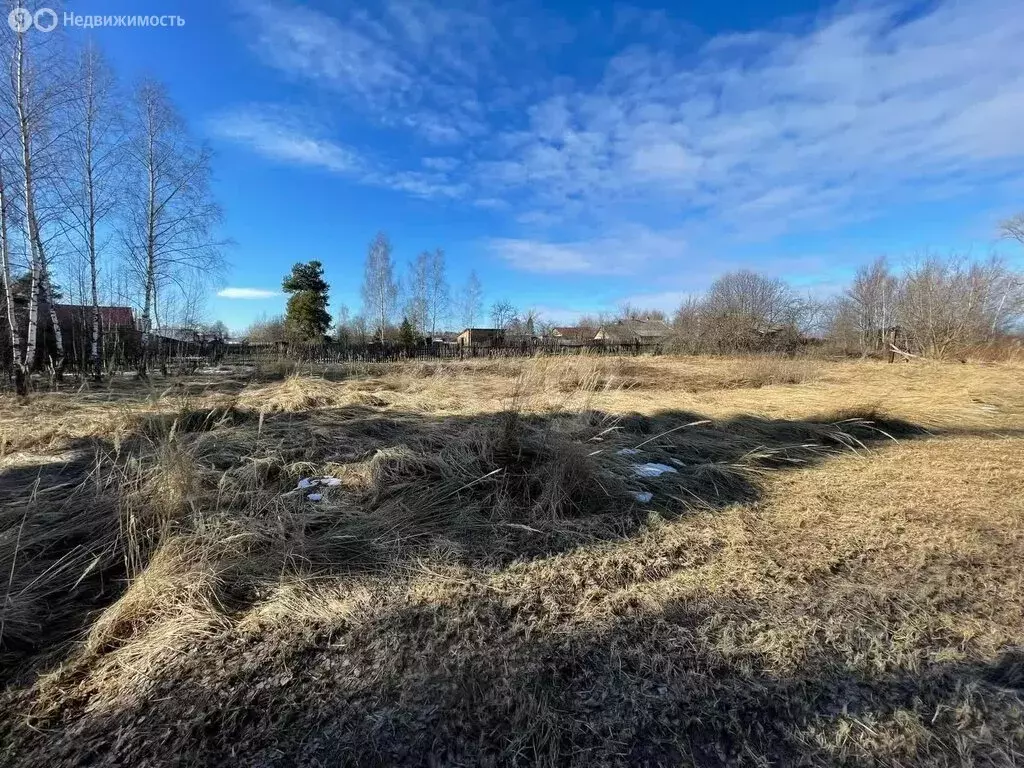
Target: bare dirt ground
[(826, 571)]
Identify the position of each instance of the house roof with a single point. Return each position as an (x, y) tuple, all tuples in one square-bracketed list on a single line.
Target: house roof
[(637, 329), (109, 316), (651, 328), (176, 334), (581, 331), (481, 330)]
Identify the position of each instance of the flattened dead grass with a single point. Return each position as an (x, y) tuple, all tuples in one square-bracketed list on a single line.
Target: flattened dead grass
[(819, 581)]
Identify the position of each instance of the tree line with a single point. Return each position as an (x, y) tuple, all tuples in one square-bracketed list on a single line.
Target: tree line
[(934, 307), (406, 307), (104, 199)]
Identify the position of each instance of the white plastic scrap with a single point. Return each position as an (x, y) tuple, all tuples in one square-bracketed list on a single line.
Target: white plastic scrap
[(629, 451), (643, 496), (317, 482), (652, 470)]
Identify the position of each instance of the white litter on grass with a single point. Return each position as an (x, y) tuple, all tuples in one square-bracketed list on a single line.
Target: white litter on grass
[(652, 470), (643, 496), (629, 451), (317, 482), (314, 482)]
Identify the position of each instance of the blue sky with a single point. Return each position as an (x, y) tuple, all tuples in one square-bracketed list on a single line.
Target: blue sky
[(581, 154)]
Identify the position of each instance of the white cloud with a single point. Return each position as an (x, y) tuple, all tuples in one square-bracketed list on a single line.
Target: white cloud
[(808, 127), (423, 184), (354, 55), (781, 131), (440, 163), (278, 136), (412, 66), (666, 301), (247, 293), (623, 254), (285, 138)]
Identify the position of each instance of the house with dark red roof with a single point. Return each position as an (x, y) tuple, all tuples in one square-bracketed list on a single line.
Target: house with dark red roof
[(117, 329), (111, 318)]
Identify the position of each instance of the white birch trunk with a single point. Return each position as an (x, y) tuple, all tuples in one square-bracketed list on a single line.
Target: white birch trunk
[(151, 244), (17, 360), (26, 156), (37, 256), (90, 191), (58, 335), (32, 331)]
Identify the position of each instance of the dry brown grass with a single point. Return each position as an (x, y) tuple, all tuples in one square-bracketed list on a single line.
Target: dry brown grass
[(818, 582)]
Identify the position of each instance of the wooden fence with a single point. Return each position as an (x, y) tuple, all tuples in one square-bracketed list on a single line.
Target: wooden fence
[(122, 352), (334, 353)]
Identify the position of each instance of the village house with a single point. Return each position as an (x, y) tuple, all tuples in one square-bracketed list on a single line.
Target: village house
[(76, 319), (569, 335), (117, 326), (635, 331), (481, 337)]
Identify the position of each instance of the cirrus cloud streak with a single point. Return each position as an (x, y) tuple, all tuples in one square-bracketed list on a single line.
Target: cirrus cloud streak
[(247, 293)]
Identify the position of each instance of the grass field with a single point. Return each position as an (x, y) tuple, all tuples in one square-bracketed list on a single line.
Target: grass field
[(828, 570)]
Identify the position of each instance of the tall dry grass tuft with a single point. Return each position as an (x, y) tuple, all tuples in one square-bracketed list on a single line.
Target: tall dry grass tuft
[(768, 370), (295, 393)]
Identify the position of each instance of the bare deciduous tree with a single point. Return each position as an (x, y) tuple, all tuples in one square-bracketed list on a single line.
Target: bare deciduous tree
[(417, 290), (343, 325), (437, 294), (472, 300), (33, 95), (948, 304), (360, 329), (168, 235), (1013, 228), (873, 299), (266, 329), (379, 289), (503, 313), (523, 326), (688, 325), (88, 187), (743, 308), (18, 362)]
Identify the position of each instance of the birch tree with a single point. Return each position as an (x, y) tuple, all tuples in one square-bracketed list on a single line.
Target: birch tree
[(472, 300), (437, 292), (34, 92), (88, 188), (380, 293), (874, 298), (168, 235), (428, 297), (949, 304), (18, 362), (417, 290)]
